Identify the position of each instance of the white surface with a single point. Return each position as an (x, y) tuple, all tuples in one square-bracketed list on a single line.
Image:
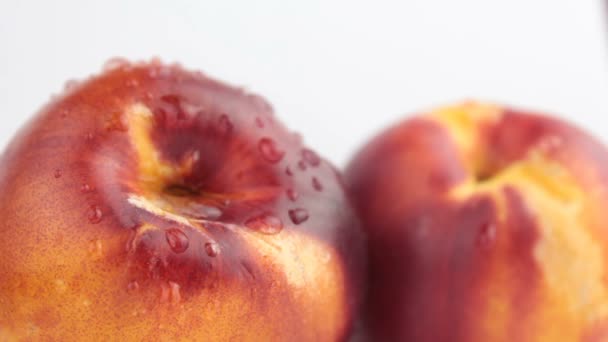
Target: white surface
[(337, 72)]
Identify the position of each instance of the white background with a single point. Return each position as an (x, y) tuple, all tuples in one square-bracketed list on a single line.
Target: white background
[(336, 71)]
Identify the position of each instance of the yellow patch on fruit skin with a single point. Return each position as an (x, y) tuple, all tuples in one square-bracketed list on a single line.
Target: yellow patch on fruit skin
[(572, 296), (154, 172), (463, 123)]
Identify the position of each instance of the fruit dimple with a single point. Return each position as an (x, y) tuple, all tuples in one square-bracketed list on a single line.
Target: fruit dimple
[(178, 241), (298, 215), (94, 214), (311, 158), (265, 224), (270, 151), (57, 173)]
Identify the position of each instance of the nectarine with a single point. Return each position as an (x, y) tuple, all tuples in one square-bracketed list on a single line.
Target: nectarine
[(153, 203), (485, 224)]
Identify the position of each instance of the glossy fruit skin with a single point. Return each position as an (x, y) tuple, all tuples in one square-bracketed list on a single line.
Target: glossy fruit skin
[(485, 223), (151, 203)]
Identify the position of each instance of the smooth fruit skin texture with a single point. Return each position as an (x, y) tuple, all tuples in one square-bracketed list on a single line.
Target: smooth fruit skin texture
[(485, 224), (151, 203)]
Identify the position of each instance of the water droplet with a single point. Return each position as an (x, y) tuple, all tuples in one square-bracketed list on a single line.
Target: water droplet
[(212, 249), (259, 122), (170, 293), (115, 122), (270, 151), (201, 211), (175, 292), (96, 248), (298, 215), (115, 63), (57, 173), (225, 126), (70, 84), (292, 195), (84, 188), (177, 240), (265, 224), (132, 83), (133, 286), (94, 214), (316, 184), (288, 171), (60, 285), (487, 235), (311, 157), (302, 165)]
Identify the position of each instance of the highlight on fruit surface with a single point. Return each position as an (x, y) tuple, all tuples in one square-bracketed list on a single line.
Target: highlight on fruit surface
[(485, 223), (154, 203)]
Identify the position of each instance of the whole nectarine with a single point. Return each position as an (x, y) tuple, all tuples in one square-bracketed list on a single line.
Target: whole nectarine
[(485, 224), (153, 203)]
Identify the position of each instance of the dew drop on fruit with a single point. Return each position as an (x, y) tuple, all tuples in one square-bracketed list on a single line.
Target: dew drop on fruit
[(298, 215), (70, 84), (57, 173), (224, 125), (292, 195), (487, 235), (201, 211), (265, 224), (270, 151), (132, 286), (115, 63), (84, 188), (94, 214), (311, 157), (178, 241), (212, 249), (96, 248), (316, 184), (259, 122)]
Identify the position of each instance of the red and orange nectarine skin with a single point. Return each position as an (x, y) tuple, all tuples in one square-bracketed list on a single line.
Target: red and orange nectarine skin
[(485, 224), (151, 203)]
